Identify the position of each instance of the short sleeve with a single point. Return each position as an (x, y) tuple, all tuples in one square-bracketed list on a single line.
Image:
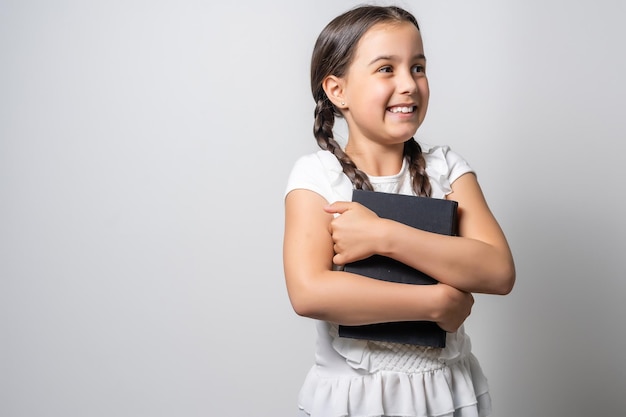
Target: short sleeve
[(321, 173), (443, 166)]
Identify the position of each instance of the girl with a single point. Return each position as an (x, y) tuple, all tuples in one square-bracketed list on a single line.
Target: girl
[(368, 66)]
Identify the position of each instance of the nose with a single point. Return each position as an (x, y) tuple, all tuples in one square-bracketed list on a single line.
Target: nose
[(407, 82)]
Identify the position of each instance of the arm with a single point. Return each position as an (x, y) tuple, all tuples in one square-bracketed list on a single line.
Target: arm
[(478, 260), (317, 291)]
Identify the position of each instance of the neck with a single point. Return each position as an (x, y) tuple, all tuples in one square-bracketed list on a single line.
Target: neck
[(380, 162)]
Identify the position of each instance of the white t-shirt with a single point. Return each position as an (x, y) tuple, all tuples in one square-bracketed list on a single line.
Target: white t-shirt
[(353, 377)]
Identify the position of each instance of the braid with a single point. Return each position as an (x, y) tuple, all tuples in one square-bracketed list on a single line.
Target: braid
[(417, 168), (323, 132)]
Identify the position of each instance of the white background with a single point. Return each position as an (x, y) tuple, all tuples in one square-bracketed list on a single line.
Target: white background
[(144, 149)]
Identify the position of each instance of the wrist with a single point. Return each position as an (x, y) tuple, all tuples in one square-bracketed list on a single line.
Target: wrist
[(425, 302), (384, 237), (437, 302)]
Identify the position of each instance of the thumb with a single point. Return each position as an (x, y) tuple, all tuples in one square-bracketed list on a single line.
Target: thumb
[(338, 207)]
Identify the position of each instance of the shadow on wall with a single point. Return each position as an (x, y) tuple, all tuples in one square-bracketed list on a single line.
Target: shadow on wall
[(566, 334)]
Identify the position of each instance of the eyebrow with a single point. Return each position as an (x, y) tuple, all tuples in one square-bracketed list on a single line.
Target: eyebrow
[(390, 57)]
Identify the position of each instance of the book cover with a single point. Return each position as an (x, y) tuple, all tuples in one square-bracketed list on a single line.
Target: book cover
[(429, 214)]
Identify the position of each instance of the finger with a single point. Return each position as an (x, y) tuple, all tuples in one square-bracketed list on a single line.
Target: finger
[(337, 207)]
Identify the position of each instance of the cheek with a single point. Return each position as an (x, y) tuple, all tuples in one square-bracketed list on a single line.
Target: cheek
[(424, 92), (424, 89), (381, 95), (375, 98), (376, 91)]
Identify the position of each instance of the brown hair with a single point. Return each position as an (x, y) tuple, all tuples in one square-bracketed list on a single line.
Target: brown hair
[(332, 54)]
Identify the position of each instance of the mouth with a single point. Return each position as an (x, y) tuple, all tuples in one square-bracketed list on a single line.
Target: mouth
[(402, 109)]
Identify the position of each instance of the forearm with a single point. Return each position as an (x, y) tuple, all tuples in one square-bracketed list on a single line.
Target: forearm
[(350, 299), (468, 264)]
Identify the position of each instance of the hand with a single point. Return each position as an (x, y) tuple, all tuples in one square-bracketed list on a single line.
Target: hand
[(455, 305), (354, 231)]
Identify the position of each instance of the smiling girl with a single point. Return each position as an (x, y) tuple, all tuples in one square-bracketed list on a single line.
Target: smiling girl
[(369, 67)]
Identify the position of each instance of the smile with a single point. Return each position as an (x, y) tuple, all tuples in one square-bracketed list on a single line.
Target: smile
[(402, 109)]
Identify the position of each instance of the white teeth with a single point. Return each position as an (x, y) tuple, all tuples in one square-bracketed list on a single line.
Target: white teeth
[(402, 109)]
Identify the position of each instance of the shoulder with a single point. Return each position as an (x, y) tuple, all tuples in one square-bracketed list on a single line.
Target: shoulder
[(443, 165), (313, 167), (320, 172), (318, 160)]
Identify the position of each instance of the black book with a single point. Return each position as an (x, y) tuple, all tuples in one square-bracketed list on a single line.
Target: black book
[(429, 214)]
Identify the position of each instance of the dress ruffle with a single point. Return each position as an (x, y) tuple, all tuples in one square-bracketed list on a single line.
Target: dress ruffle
[(457, 390)]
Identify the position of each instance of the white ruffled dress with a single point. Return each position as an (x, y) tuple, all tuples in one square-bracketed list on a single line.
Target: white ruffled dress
[(360, 378)]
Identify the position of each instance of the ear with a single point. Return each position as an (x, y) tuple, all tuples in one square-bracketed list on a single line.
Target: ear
[(334, 89)]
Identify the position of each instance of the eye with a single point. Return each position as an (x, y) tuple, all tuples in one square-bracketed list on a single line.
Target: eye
[(418, 68), (386, 68)]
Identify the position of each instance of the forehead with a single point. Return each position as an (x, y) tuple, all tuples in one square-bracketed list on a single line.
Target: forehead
[(390, 38)]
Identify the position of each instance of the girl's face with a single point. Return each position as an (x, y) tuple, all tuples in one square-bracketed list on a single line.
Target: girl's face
[(385, 89)]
